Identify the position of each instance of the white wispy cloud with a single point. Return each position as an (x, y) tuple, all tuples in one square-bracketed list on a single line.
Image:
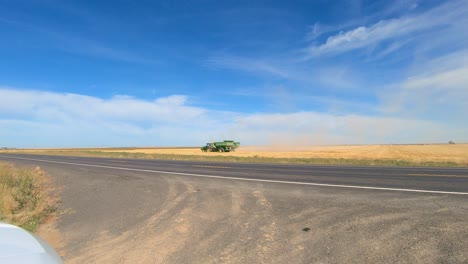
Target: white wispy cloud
[(444, 93), (30, 118), (390, 8), (40, 105), (437, 88), (335, 77), (388, 30)]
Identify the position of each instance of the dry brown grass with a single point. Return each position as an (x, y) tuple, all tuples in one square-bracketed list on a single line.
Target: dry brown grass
[(26, 198), (444, 154), (457, 153)]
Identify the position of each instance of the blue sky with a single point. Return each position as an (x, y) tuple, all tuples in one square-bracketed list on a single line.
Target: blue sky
[(147, 73)]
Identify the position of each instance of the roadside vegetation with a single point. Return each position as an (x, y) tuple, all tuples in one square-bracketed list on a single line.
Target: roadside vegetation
[(26, 196), (260, 159)]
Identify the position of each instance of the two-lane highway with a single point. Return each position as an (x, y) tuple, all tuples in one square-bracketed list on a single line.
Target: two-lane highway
[(410, 179), (160, 211)]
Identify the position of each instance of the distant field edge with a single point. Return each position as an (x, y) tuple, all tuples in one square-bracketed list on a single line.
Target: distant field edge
[(254, 159)]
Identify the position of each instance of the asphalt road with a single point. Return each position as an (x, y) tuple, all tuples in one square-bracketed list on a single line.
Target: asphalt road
[(152, 211), (449, 180)]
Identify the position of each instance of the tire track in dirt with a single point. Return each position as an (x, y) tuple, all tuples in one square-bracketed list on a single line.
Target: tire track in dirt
[(148, 243), (268, 244)]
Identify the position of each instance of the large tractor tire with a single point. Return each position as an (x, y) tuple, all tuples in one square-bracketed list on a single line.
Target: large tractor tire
[(221, 150)]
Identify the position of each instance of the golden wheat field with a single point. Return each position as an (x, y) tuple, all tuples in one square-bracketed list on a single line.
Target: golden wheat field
[(443, 152), (457, 153)]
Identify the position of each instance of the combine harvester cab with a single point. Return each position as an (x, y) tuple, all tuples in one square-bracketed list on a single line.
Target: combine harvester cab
[(224, 146)]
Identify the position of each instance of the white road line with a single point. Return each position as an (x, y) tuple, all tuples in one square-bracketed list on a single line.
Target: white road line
[(242, 179)]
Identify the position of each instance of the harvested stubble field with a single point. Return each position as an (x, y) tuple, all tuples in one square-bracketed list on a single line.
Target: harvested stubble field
[(403, 155)]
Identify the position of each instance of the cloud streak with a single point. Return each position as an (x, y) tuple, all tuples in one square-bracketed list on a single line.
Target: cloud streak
[(389, 30), (437, 90), (256, 66)]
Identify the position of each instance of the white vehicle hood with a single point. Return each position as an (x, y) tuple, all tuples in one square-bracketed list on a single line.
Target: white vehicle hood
[(19, 246)]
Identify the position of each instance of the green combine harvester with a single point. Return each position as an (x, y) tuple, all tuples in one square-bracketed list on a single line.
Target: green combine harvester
[(225, 146)]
